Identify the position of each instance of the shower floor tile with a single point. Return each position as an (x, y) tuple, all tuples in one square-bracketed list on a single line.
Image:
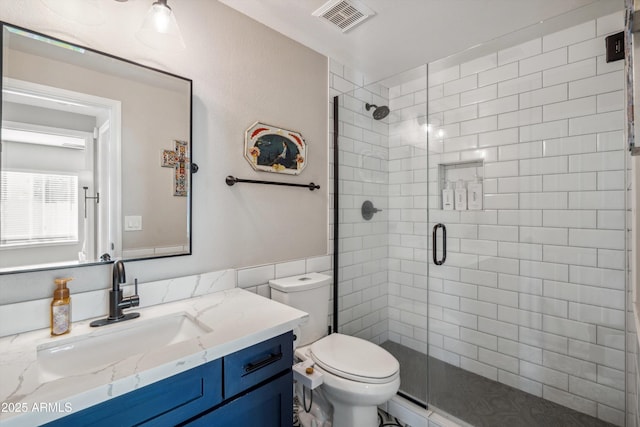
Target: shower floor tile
[(477, 400)]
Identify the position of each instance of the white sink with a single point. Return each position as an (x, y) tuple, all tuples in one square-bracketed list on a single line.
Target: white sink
[(113, 343)]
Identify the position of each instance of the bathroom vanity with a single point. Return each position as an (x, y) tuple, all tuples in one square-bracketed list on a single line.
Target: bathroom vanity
[(227, 361), (252, 383)]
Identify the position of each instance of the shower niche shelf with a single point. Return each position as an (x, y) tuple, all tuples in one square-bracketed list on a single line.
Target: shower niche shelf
[(466, 171)]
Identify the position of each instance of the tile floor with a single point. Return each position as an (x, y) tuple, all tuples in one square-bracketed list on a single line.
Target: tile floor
[(477, 400)]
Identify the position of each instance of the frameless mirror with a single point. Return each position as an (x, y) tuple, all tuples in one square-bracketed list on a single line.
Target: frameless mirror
[(95, 156)]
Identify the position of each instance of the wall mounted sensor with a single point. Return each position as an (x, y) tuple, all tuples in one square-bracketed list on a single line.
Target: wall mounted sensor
[(615, 47)]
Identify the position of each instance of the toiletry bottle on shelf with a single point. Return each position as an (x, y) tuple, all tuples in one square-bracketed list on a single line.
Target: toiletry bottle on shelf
[(461, 196), (447, 198), (61, 308), (475, 195)]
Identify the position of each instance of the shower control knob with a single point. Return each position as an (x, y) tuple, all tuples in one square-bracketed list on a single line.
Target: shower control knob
[(368, 210)]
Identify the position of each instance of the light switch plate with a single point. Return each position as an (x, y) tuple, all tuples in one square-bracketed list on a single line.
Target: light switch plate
[(133, 223)]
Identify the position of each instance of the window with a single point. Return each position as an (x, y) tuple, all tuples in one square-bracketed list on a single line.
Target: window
[(37, 208)]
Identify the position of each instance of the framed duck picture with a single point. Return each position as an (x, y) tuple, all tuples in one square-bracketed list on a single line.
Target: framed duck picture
[(271, 149)]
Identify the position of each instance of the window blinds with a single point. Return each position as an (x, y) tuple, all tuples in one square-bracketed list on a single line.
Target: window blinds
[(38, 208)]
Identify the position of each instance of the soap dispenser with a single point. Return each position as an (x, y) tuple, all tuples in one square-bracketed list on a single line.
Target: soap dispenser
[(475, 194), (447, 198), (61, 308), (461, 196)]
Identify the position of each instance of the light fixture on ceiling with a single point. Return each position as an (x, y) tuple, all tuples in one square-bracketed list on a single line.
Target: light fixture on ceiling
[(160, 29)]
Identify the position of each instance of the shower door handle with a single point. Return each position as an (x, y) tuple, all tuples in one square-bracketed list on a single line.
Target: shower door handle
[(437, 261)]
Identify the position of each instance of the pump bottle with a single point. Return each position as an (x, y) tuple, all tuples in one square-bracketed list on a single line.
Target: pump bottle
[(61, 308), (447, 198), (460, 196), (475, 194)]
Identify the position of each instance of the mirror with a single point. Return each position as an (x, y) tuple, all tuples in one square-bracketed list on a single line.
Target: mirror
[(95, 157)]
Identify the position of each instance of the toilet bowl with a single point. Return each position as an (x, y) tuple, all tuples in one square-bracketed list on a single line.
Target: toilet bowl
[(357, 377), (357, 374)]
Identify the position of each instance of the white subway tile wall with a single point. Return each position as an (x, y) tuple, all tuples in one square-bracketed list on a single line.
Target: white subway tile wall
[(525, 297), (365, 158)]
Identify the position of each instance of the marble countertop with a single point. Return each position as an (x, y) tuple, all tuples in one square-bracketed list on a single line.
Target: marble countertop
[(237, 319)]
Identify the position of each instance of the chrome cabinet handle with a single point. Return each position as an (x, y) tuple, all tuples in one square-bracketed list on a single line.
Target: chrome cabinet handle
[(437, 261)]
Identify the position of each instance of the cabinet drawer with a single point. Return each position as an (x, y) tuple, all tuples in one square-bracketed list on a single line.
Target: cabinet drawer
[(250, 366), (165, 402)]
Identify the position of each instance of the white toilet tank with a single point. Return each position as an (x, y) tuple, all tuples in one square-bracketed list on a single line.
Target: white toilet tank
[(310, 293)]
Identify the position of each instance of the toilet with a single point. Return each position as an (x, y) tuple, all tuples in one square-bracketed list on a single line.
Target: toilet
[(357, 374)]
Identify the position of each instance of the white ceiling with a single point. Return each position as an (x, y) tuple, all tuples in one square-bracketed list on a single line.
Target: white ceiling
[(404, 33)]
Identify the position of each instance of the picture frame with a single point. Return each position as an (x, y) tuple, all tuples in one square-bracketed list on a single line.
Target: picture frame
[(272, 149)]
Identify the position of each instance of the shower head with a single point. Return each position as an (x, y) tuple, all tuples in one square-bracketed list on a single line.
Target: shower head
[(379, 112)]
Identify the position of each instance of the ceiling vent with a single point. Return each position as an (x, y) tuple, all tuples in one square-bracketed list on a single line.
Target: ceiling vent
[(344, 14)]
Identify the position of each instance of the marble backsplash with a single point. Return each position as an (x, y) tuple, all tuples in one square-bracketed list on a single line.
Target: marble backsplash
[(31, 315)]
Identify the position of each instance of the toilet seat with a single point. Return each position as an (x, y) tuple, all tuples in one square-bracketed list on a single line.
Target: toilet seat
[(354, 359)]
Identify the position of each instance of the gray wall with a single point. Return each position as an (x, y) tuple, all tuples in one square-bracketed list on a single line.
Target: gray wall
[(242, 72)]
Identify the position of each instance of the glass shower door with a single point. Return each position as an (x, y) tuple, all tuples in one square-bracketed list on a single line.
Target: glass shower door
[(409, 231), (531, 295)]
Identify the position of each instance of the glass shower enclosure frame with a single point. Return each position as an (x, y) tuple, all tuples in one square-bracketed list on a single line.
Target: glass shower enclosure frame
[(532, 292)]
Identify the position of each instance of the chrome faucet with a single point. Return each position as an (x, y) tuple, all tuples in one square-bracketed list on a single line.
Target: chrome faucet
[(116, 301)]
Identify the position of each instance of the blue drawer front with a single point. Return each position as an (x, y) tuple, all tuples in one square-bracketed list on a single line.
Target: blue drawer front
[(167, 402), (248, 367)]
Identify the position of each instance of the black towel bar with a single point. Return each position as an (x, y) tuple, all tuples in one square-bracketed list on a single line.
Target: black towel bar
[(230, 180)]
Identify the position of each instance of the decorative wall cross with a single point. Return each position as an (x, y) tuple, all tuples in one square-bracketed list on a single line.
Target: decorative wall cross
[(178, 160)]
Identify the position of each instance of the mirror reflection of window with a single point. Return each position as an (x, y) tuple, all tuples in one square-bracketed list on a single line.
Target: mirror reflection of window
[(38, 208), (53, 131), (41, 210)]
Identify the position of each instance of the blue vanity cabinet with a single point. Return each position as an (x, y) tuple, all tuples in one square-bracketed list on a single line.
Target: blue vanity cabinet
[(260, 398), (270, 405), (253, 382)]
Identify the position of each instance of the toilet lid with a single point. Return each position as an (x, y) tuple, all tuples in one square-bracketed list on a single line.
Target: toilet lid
[(355, 359)]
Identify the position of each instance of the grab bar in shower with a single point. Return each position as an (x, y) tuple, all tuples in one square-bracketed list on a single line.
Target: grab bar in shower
[(437, 261)]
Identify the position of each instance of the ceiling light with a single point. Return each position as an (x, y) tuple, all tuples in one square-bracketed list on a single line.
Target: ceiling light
[(160, 29)]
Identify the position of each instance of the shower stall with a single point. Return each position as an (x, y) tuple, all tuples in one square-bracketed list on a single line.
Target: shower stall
[(514, 309)]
